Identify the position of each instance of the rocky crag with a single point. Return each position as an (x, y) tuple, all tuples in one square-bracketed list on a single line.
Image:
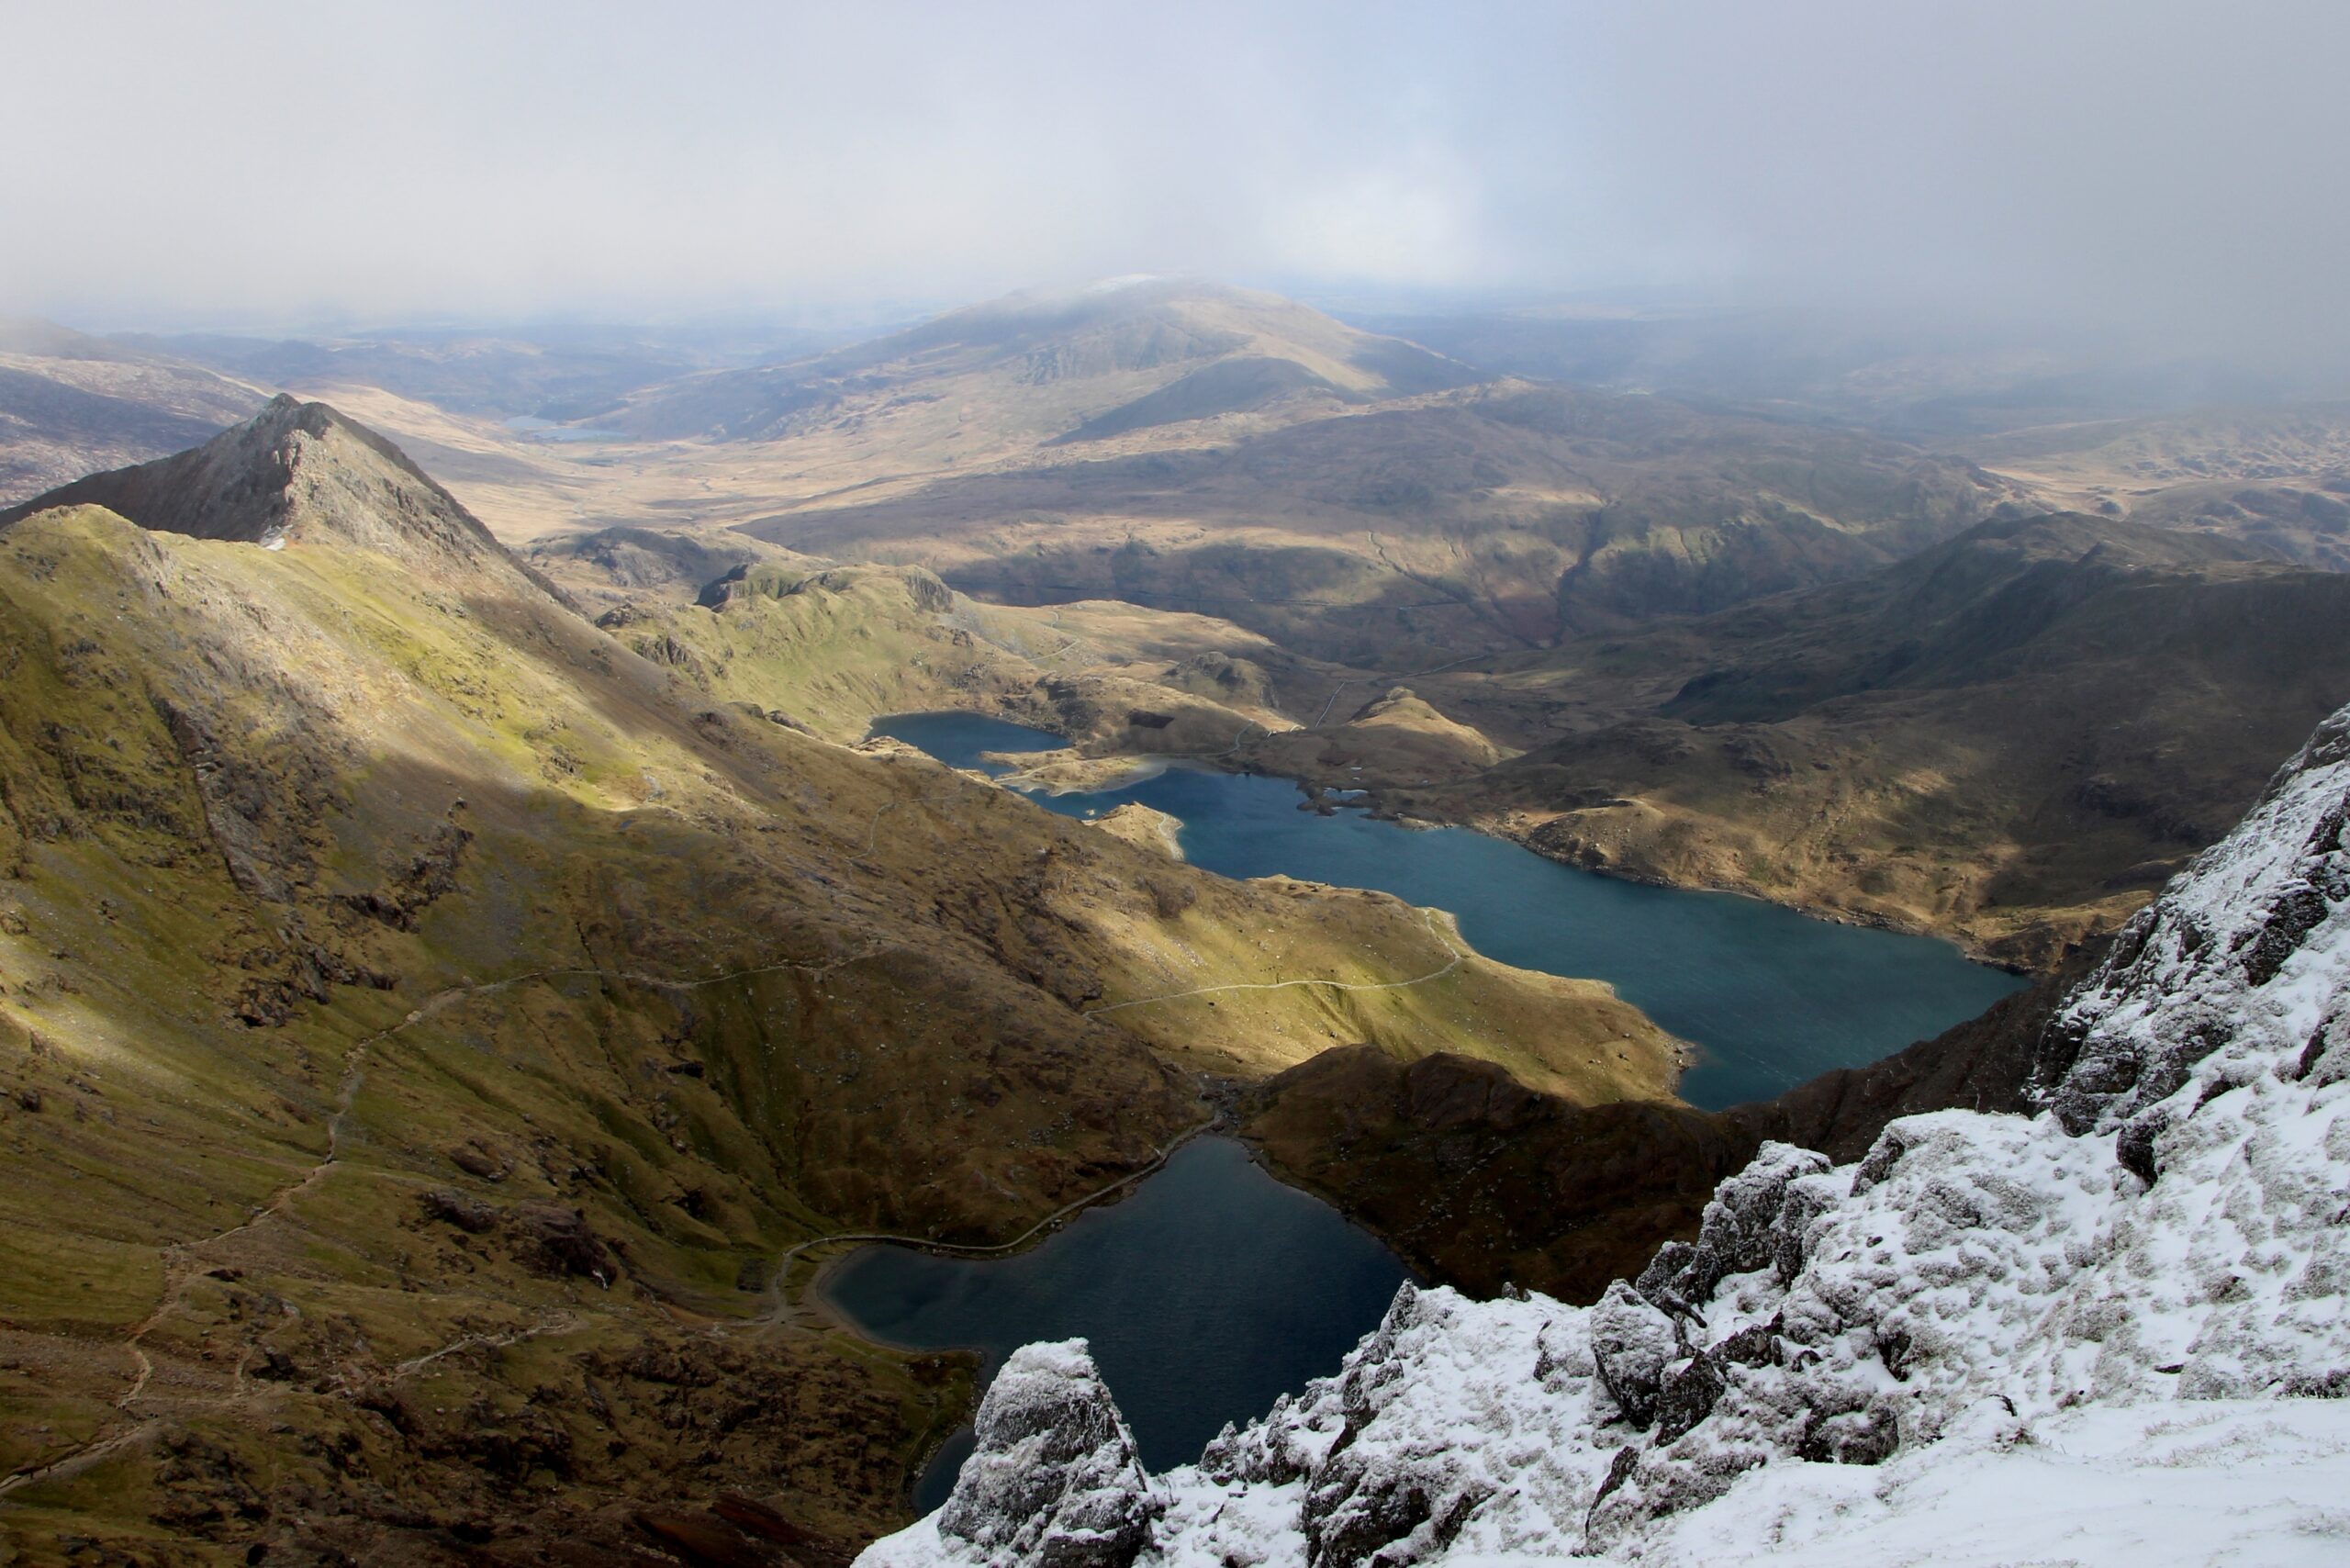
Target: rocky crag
[(2110, 1330)]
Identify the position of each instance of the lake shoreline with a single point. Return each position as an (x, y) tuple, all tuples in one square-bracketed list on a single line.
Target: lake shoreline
[(1138, 767), (1768, 997), (1215, 1260)]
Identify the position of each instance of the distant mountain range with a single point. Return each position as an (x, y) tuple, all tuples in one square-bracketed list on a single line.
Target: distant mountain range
[(1563, 570), (1057, 368), (550, 372), (70, 403)]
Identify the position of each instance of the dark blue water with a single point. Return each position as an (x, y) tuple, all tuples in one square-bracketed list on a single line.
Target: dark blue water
[(1207, 1293), (1769, 997), (962, 739)]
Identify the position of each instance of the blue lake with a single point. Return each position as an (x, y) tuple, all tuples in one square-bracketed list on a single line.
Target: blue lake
[(534, 428), (1768, 996), (1208, 1292)]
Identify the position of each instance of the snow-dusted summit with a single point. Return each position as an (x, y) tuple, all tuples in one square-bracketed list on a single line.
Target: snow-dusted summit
[(2114, 1332)]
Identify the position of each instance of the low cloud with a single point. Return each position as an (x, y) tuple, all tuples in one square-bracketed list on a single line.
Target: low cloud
[(2168, 170)]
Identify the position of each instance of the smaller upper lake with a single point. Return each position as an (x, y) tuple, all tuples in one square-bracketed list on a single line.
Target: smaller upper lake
[(531, 427), (1207, 1291), (1768, 996)]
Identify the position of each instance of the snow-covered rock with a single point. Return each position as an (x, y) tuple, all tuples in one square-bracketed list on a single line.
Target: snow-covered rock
[(1052, 1481), (2113, 1332)]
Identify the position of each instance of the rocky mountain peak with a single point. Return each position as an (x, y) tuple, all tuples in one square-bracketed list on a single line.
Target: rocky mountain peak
[(2231, 965), (1054, 1481), (299, 472)]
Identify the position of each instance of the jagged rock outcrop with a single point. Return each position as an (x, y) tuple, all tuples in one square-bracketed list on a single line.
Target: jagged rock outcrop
[(2197, 971), (296, 471), (1742, 1230), (1054, 1481), (2114, 1329), (1633, 1343)]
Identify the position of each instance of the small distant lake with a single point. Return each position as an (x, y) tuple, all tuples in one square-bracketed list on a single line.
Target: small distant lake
[(1208, 1292), (1768, 996), (537, 428)]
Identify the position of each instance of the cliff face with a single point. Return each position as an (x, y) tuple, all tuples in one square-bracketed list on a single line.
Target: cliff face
[(2112, 1330)]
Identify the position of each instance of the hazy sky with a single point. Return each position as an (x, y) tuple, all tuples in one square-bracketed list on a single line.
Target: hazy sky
[(2170, 166)]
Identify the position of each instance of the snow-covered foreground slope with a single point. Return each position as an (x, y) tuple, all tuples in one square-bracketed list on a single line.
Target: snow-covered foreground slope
[(2114, 1332)]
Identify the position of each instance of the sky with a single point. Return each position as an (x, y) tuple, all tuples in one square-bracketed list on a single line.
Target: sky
[(2154, 166)]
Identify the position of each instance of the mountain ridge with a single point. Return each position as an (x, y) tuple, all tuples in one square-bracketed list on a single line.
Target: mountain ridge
[(1133, 339), (294, 472)]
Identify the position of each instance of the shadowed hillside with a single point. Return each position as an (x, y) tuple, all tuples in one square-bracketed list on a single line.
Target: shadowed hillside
[(2013, 737), (1489, 518), (1484, 1183)]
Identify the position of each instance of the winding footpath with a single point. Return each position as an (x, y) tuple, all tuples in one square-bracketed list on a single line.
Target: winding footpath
[(182, 1262), (1322, 717)]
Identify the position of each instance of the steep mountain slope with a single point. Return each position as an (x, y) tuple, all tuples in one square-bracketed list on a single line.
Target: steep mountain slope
[(426, 1022), (298, 473), (70, 403), (2111, 1331), (2012, 594), (1483, 1182)]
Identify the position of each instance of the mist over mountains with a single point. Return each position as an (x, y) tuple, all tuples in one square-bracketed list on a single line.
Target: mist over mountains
[(2149, 170)]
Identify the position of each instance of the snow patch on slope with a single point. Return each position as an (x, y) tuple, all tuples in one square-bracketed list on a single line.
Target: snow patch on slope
[(2089, 1336)]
